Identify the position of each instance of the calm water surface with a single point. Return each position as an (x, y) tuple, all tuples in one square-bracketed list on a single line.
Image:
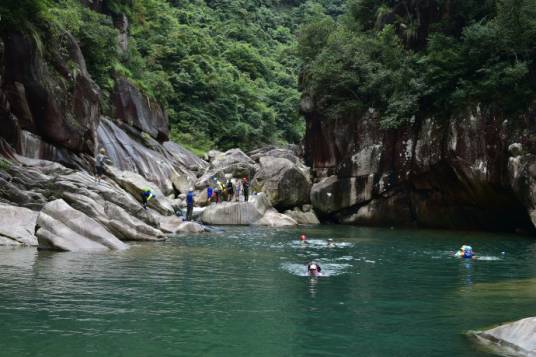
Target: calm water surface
[(244, 293)]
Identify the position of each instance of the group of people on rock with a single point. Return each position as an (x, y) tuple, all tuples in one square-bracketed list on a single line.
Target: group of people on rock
[(218, 192)]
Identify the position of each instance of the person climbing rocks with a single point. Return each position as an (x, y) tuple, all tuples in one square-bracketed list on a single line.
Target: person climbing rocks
[(189, 204), (245, 188), (230, 190), (100, 160), (314, 269), (146, 196)]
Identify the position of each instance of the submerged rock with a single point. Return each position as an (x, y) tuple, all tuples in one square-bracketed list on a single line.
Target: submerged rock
[(516, 338), (17, 225), (272, 218), (61, 227)]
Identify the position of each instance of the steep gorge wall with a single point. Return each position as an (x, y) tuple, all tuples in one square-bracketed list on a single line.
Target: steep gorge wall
[(50, 109), (470, 171)]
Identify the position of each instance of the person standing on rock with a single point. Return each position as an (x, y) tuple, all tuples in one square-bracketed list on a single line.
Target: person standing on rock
[(209, 194), (238, 189), (245, 188), (230, 190), (189, 204), (99, 164)]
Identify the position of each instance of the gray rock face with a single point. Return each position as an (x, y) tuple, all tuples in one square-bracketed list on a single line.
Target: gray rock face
[(60, 227), (451, 173), (334, 194), (129, 150), (516, 338), (135, 184), (138, 111), (283, 182), (236, 213), (301, 217), (185, 158), (49, 98), (17, 225)]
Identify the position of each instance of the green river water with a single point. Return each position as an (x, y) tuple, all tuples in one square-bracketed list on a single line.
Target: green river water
[(244, 293)]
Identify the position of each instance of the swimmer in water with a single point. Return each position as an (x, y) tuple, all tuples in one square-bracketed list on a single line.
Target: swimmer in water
[(303, 239), (313, 269), (331, 243), (465, 252)]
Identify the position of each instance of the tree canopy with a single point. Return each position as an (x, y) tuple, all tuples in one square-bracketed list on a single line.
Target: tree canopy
[(421, 56)]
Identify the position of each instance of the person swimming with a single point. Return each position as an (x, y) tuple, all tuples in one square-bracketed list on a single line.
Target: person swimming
[(313, 269), (303, 239), (465, 252), (330, 243)]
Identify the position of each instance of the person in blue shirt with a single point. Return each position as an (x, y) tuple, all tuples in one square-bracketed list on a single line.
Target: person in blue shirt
[(189, 204), (209, 194)]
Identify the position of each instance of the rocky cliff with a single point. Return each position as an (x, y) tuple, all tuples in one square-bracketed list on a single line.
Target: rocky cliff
[(473, 170)]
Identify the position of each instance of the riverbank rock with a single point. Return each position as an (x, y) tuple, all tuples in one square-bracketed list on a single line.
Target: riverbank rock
[(60, 227), (135, 184), (516, 338), (272, 218), (236, 213), (17, 225), (284, 182), (303, 217)]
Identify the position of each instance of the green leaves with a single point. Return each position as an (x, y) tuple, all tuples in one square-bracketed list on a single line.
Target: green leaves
[(402, 61)]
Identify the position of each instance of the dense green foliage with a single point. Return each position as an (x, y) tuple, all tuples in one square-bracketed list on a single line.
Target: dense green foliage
[(225, 70), (421, 57)]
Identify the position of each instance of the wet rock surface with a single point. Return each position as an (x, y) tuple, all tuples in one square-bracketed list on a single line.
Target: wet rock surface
[(516, 338)]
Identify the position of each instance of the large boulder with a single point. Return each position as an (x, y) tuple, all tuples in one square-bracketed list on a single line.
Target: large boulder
[(516, 338), (232, 163), (284, 182), (231, 157), (236, 213), (127, 227), (60, 227), (135, 184), (17, 225), (272, 218)]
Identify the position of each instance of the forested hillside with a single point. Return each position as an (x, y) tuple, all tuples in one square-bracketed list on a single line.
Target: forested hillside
[(412, 57), (225, 71)]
